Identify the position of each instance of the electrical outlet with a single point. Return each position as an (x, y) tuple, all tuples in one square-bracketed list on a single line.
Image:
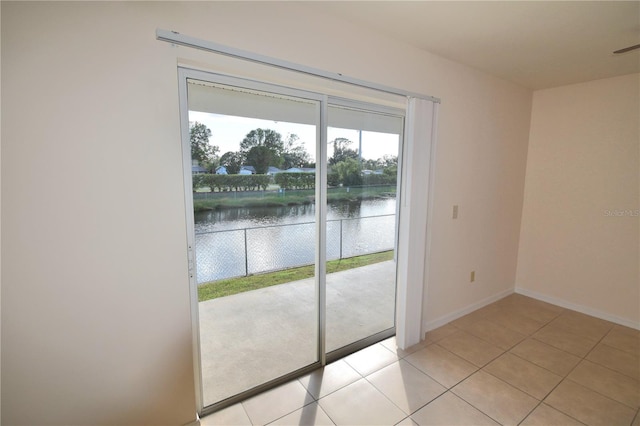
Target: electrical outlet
[(473, 276), (455, 211)]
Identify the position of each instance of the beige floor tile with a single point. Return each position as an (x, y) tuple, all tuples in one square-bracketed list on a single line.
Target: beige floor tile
[(553, 359), (449, 410), (583, 325), (544, 415), (469, 319), (391, 344), (565, 340), (588, 406), (490, 309), (332, 377), (407, 422), (406, 386), (524, 375), (543, 315), (531, 308), (522, 301), (443, 366), (623, 338), (623, 362), (310, 414), (607, 382), (509, 318), (275, 403), (360, 403), (441, 332), (493, 333), (230, 416), (371, 359), (495, 398), (471, 348)]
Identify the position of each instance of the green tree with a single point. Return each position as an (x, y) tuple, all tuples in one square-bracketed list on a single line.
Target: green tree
[(262, 148), (391, 172), (341, 151), (263, 137), (349, 172), (261, 157), (201, 150), (390, 166), (294, 154), (388, 160), (232, 162), (371, 164)]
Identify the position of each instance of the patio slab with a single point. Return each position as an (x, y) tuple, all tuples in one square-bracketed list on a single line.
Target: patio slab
[(249, 338)]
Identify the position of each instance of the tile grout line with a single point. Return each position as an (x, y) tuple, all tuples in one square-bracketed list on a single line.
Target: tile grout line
[(507, 351), (388, 399), (604, 366), (527, 336), (637, 416), (471, 405), (566, 377), (457, 356)]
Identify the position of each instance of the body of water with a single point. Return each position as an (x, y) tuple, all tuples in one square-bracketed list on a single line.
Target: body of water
[(236, 242)]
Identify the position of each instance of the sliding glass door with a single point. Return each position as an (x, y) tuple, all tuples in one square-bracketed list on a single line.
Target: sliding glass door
[(362, 183), (292, 229), (254, 231)]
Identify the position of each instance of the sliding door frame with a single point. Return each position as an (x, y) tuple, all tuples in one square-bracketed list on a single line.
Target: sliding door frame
[(184, 74), (369, 107)]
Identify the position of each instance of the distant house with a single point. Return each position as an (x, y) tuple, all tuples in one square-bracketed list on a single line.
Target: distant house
[(372, 172), (273, 170), (244, 170), (196, 169), (247, 170), (301, 170)]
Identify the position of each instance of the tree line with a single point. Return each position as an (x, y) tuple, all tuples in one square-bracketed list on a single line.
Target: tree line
[(262, 148)]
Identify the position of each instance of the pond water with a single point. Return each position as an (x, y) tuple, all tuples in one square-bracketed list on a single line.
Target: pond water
[(222, 220), (237, 242)]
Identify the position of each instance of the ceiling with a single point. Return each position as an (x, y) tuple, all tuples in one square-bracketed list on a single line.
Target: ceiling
[(537, 44)]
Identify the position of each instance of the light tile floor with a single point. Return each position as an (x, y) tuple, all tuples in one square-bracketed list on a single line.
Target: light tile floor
[(516, 361)]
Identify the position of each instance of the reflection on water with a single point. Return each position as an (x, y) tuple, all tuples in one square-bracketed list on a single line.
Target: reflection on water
[(252, 217)]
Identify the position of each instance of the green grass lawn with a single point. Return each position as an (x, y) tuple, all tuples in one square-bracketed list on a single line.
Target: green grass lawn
[(231, 286)]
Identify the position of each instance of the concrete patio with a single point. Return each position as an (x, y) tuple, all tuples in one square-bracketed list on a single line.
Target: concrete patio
[(256, 336)]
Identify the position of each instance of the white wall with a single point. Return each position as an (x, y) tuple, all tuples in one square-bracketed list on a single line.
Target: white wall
[(583, 162), (95, 305), (0, 214)]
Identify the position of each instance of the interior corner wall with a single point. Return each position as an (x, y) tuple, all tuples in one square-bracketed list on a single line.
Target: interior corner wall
[(579, 244), (96, 324)]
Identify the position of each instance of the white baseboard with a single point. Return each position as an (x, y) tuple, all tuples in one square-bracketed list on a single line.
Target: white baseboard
[(438, 322), (579, 308)]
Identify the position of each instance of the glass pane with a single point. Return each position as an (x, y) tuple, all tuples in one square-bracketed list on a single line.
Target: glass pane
[(361, 224), (253, 165)]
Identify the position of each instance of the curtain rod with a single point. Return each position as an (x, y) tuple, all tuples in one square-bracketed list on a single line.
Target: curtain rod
[(174, 37)]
